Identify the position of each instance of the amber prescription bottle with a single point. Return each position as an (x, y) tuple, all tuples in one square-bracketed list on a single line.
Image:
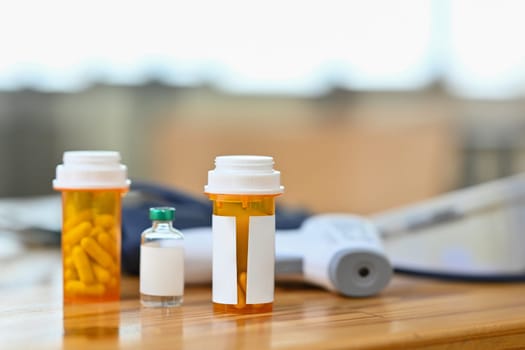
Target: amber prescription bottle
[(243, 191), (92, 185)]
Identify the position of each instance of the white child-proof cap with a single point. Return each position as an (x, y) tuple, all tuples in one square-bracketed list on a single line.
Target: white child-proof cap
[(244, 175), (91, 170)]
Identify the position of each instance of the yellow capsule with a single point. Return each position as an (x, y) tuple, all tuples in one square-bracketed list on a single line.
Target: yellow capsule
[(103, 275), (78, 287), (108, 244), (68, 262), (73, 236), (95, 231), (241, 298), (105, 221), (81, 261), (70, 274), (84, 215), (98, 254), (242, 281), (241, 291), (66, 249), (114, 232)]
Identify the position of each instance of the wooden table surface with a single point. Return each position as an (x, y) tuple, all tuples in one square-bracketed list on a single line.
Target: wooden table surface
[(410, 313)]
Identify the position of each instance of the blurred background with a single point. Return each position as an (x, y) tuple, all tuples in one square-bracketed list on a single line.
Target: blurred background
[(365, 105)]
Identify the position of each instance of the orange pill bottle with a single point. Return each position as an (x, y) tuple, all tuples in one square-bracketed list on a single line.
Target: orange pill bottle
[(243, 191), (92, 185)]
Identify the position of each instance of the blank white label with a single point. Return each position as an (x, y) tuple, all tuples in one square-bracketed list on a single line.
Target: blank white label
[(261, 260), (162, 270), (224, 273)]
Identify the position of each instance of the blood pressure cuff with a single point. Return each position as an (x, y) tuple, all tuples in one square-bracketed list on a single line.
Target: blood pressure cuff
[(190, 212)]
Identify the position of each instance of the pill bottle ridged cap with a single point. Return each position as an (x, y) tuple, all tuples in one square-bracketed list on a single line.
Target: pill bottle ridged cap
[(162, 213), (91, 170), (244, 174)]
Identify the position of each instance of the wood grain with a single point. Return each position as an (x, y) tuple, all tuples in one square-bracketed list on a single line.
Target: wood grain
[(410, 313)]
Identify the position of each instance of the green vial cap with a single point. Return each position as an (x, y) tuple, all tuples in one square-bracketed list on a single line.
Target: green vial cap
[(162, 213)]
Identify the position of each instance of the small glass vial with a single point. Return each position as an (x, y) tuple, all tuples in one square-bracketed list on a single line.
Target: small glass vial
[(161, 261)]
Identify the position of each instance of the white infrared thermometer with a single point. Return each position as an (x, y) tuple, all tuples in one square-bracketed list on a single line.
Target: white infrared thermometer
[(338, 252)]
